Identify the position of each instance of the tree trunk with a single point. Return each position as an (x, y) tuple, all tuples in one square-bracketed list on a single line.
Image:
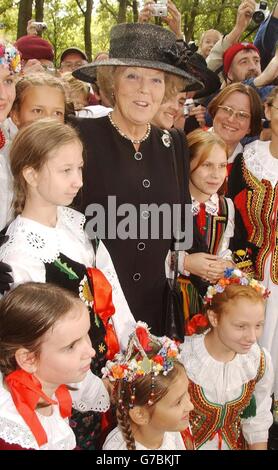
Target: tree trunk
[(24, 15), (122, 11), (39, 5), (135, 11), (87, 29), (189, 21), (219, 15)]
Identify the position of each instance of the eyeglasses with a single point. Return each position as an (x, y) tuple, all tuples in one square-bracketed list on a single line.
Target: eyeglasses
[(239, 115), (72, 65)]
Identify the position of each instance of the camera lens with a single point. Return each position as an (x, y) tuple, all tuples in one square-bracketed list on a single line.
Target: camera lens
[(258, 17)]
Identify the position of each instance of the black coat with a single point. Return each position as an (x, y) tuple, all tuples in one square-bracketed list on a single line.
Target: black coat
[(112, 170)]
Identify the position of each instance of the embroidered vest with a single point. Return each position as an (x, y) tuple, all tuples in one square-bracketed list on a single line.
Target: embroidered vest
[(210, 419), (72, 276), (258, 207), (214, 226)]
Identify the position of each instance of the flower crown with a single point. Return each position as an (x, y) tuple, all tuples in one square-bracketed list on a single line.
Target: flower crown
[(135, 362), (10, 57), (234, 276)]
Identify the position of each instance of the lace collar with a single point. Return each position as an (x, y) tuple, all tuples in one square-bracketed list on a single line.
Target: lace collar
[(212, 205), (13, 429), (260, 162), (40, 241), (203, 369)]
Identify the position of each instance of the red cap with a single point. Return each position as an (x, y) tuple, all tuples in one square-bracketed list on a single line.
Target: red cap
[(34, 47), (229, 54)]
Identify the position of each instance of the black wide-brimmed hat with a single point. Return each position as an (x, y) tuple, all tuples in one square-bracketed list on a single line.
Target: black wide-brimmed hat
[(141, 45), (197, 66)]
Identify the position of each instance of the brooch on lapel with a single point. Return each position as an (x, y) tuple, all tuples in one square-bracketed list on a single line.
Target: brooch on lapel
[(166, 139)]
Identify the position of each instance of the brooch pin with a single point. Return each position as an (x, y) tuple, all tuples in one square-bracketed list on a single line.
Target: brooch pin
[(166, 139)]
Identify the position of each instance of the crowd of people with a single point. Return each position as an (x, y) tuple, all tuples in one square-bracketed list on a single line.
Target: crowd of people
[(115, 194)]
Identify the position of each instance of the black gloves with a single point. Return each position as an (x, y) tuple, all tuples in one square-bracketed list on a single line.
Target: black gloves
[(5, 270)]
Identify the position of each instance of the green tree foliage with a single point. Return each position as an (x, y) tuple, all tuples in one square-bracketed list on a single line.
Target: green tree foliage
[(68, 21), (8, 17)]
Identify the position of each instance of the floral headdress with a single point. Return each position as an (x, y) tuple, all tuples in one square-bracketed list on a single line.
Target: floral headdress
[(234, 276), (10, 57), (135, 363)]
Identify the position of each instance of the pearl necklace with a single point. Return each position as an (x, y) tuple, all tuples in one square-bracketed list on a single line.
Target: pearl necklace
[(134, 141)]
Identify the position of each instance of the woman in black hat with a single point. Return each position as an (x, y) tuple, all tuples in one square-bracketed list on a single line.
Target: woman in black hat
[(130, 163)]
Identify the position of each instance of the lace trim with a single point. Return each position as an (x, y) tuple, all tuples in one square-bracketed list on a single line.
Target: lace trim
[(257, 165), (202, 368), (14, 433), (73, 219), (42, 242), (101, 405)]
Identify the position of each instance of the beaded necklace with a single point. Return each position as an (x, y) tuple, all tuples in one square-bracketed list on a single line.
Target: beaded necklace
[(134, 141), (2, 139)]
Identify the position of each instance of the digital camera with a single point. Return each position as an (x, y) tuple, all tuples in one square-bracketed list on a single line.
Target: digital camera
[(188, 105), (40, 26), (160, 8), (261, 12)]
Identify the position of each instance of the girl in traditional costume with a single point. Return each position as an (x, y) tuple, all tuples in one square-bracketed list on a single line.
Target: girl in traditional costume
[(230, 375), (47, 242), (45, 356), (213, 218), (151, 394), (253, 186), (9, 69)]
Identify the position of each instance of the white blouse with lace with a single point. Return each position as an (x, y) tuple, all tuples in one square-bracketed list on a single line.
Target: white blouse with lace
[(91, 394), (171, 441), (222, 382), (260, 162), (32, 244)]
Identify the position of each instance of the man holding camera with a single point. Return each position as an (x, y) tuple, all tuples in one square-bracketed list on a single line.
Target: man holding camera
[(265, 40), (166, 10), (37, 54)]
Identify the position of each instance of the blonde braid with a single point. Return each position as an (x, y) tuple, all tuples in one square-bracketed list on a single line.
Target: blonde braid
[(122, 407), (125, 426)]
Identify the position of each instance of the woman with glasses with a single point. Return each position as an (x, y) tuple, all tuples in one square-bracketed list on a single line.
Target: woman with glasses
[(236, 113), (253, 186)]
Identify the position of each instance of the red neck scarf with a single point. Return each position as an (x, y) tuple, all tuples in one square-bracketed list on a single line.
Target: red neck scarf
[(26, 391), (201, 218), (104, 307)]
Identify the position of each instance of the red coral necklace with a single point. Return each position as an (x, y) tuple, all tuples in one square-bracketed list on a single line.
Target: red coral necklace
[(2, 139)]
